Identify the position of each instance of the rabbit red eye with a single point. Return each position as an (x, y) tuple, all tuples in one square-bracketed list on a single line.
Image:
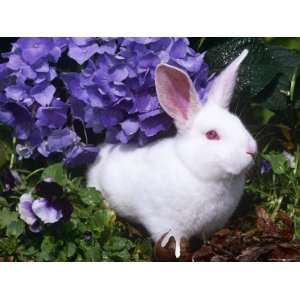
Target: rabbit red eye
[(212, 135)]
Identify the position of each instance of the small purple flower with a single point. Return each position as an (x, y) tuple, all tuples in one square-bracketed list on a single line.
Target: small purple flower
[(265, 167), (24, 151), (87, 236), (51, 206), (9, 179)]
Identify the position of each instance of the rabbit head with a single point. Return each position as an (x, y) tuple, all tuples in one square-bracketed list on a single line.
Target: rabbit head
[(212, 142)]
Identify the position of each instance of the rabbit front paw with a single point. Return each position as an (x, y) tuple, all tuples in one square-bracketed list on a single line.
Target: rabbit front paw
[(165, 239)]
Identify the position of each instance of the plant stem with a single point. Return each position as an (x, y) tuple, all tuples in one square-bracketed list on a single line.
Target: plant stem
[(12, 157), (34, 172), (200, 43)]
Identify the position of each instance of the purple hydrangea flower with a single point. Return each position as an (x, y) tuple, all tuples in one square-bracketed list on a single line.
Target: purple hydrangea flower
[(112, 91)]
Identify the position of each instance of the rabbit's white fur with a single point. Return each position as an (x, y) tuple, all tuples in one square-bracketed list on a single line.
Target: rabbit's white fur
[(186, 184)]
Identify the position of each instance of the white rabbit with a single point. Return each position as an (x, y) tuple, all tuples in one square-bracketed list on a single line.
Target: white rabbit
[(188, 184)]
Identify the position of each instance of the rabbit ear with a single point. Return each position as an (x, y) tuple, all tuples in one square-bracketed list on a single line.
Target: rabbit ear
[(176, 93), (223, 86)]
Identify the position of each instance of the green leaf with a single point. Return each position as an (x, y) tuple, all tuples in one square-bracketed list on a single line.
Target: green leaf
[(143, 250), (7, 217), (5, 145), (117, 248), (262, 114), (287, 59), (256, 72), (3, 202), (265, 75), (15, 228), (47, 247), (276, 94), (297, 226), (278, 161), (117, 244), (8, 246), (101, 219), (57, 172), (70, 249), (90, 196)]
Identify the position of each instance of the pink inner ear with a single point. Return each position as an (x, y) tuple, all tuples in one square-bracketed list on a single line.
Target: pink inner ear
[(174, 92)]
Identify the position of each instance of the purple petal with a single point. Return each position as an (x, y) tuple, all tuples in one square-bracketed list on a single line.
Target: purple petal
[(265, 167), (130, 126), (15, 62), (25, 209), (17, 116), (145, 103), (45, 210), (43, 93), (35, 48), (54, 116), (77, 108), (123, 137), (92, 117), (16, 92), (82, 54), (96, 98), (111, 134), (109, 47), (24, 151), (61, 139), (118, 73), (111, 117), (179, 49), (82, 41), (73, 83), (156, 124), (35, 227), (81, 155)]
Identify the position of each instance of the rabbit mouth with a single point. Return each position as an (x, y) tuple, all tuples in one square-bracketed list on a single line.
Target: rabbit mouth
[(249, 171)]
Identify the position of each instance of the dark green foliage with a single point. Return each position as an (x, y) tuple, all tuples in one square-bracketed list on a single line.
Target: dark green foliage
[(94, 232)]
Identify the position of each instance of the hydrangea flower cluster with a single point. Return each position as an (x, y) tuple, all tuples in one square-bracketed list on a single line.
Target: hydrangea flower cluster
[(111, 91)]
